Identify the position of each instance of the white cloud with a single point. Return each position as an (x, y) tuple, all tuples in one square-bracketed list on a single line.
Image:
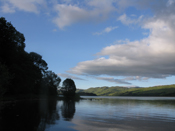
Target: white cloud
[(170, 2), (69, 76), (151, 57), (110, 79), (68, 14), (135, 78), (127, 21), (106, 30), (7, 9), (94, 11), (10, 6)]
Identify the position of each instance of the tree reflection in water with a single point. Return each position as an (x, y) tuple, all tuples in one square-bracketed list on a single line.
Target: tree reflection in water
[(48, 113), (68, 109), (20, 116), (28, 115), (34, 115)]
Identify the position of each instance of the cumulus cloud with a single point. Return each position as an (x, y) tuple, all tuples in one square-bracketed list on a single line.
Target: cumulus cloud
[(151, 57), (10, 6), (72, 13), (68, 14), (106, 30), (69, 76)]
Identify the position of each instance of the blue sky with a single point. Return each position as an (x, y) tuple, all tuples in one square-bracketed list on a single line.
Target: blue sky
[(100, 42)]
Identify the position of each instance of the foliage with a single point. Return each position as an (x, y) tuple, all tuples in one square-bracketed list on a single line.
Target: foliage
[(4, 79), (14, 58), (68, 87), (38, 61), (22, 72), (50, 83)]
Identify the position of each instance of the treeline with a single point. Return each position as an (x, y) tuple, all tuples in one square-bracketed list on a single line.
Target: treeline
[(22, 72), (166, 90)]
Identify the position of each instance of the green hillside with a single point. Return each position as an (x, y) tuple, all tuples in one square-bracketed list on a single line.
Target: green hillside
[(166, 90), (103, 91)]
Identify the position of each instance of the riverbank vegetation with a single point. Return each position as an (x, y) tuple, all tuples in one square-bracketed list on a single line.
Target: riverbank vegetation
[(165, 90)]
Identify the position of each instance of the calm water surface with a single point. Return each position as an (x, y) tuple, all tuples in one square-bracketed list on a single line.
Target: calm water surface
[(96, 113)]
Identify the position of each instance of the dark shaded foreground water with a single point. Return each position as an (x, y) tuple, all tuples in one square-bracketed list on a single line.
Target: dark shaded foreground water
[(102, 113)]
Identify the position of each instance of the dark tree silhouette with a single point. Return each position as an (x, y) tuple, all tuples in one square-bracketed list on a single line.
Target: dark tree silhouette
[(14, 57), (68, 87), (38, 61), (4, 79), (50, 83), (22, 71)]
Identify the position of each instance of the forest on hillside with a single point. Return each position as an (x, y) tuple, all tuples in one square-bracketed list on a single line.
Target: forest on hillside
[(165, 90)]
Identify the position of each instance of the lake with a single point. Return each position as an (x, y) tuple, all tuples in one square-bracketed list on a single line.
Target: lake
[(94, 114)]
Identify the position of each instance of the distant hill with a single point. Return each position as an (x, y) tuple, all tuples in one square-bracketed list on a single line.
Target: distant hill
[(103, 91), (165, 90)]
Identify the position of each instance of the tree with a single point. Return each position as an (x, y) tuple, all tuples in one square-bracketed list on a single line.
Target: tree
[(11, 42), (4, 79), (39, 67), (50, 83), (14, 57), (25, 69), (68, 87), (38, 61)]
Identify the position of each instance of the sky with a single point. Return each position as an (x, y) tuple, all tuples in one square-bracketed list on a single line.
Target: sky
[(100, 42)]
